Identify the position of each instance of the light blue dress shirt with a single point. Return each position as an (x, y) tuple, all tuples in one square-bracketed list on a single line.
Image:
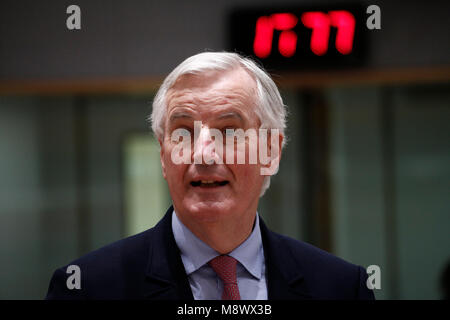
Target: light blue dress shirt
[(204, 282)]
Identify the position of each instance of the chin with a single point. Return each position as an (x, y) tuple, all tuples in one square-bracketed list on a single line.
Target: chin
[(209, 211)]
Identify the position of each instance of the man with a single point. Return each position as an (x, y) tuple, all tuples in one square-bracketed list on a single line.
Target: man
[(220, 122)]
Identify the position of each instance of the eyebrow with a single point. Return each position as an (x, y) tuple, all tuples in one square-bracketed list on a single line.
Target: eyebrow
[(185, 115), (179, 115), (230, 115)]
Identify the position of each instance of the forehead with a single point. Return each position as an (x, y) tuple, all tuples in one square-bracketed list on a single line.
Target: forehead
[(213, 88)]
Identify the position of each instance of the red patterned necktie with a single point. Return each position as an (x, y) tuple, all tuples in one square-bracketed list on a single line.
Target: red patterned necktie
[(225, 267)]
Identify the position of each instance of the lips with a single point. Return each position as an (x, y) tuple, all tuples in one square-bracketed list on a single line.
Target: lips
[(208, 183)]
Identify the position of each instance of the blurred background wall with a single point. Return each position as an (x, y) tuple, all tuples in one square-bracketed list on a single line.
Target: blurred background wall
[(365, 174)]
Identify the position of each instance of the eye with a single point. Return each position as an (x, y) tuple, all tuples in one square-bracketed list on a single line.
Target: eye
[(178, 133), (184, 132), (229, 131)]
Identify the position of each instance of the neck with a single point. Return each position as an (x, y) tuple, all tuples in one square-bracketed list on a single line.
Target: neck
[(223, 236)]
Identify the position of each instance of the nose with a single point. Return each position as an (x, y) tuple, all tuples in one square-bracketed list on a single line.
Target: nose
[(204, 151)]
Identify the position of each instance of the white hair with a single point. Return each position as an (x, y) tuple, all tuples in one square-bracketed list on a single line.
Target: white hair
[(269, 107)]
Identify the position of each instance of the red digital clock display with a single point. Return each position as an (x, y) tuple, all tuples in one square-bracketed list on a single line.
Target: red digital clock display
[(300, 37)]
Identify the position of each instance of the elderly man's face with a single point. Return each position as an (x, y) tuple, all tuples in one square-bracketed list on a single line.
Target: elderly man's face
[(220, 100)]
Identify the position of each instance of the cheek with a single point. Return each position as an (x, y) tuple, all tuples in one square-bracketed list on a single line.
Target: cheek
[(247, 175), (243, 152), (173, 171)]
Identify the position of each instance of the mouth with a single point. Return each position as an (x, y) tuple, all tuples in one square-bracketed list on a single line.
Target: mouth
[(208, 183)]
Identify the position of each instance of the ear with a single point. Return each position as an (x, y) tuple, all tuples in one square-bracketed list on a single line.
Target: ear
[(274, 144), (161, 156)]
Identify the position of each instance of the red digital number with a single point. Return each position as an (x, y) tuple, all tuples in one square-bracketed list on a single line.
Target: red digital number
[(320, 24), (287, 43), (344, 21)]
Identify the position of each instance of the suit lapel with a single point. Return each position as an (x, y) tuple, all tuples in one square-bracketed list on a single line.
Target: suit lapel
[(166, 278), (284, 278)]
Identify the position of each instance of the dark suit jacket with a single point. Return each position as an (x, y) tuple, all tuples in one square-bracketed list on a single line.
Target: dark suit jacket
[(148, 266)]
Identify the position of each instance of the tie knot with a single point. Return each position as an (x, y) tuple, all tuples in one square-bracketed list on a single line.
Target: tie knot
[(225, 268)]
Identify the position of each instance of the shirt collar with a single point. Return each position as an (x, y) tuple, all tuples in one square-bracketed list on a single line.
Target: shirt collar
[(195, 253)]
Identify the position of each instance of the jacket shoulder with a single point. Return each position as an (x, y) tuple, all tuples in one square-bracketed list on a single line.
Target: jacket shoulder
[(130, 248), (309, 254), (105, 271), (326, 275)]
